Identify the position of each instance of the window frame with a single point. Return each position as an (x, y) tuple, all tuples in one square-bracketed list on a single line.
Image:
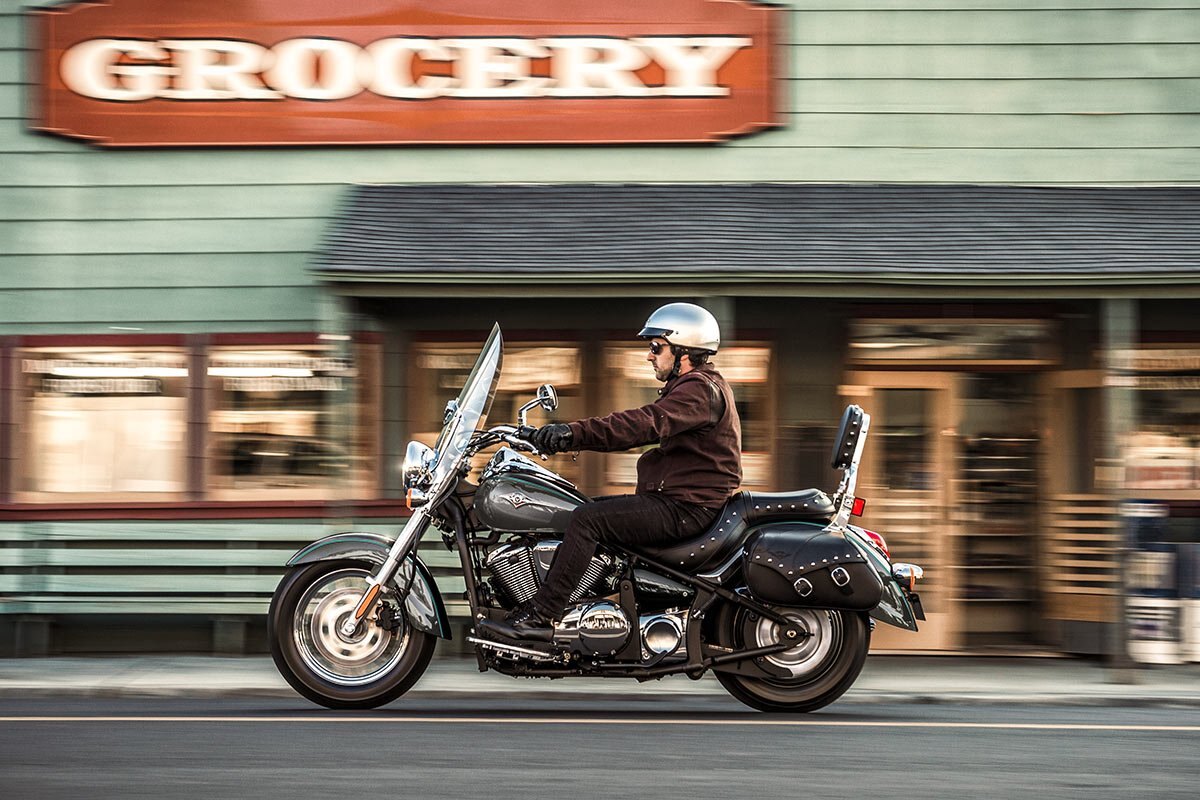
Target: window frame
[(196, 499), (362, 483), (17, 443)]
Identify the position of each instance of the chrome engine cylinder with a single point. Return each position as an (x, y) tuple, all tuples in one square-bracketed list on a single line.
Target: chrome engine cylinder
[(514, 571), (519, 570)]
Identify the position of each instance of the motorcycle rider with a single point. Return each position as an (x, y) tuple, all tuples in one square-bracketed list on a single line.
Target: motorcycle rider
[(682, 484)]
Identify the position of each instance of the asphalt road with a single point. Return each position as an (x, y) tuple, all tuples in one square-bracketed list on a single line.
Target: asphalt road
[(89, 749)]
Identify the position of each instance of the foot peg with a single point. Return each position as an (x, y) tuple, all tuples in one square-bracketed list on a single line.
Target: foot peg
[(515, 652)]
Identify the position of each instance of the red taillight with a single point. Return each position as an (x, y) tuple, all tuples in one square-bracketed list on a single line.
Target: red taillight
[(879, 542), (860, 505)]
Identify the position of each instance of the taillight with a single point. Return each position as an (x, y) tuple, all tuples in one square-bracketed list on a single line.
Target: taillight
[(880, 543)]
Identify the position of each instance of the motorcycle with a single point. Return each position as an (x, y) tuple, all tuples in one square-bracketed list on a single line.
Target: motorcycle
[(778, 598)]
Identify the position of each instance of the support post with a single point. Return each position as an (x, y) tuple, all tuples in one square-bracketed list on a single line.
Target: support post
[(1119, 326)]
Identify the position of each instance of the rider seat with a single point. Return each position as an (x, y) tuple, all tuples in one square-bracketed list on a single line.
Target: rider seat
[(731, 527)]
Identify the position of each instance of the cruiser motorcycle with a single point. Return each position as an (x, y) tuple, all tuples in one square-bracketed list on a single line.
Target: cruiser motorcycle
[(778, 598)]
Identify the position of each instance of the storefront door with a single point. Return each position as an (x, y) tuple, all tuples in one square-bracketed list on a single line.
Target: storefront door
[(950, 476), (905, 478)]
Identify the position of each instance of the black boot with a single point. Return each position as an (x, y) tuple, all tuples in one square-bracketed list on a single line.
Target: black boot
[(524, 623)]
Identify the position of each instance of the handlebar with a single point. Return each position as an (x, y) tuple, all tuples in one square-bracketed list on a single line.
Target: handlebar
[(517, 436)]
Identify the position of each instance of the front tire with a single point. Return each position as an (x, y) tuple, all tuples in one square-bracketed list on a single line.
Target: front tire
[(369, 669), (821, 668)]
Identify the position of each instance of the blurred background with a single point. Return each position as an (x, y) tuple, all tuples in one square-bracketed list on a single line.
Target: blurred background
[(979, 223)]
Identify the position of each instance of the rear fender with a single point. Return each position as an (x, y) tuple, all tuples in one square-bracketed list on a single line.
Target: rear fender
[(423, 606), (893, 608)]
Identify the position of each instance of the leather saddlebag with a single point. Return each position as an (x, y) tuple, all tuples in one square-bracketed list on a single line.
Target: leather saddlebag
[(813, 569)]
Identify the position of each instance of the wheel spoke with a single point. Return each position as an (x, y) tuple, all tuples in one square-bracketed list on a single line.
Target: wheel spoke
[(362, 657), (823, 636)]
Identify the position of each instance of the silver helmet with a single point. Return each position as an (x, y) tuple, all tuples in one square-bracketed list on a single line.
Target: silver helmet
[(684, 325)]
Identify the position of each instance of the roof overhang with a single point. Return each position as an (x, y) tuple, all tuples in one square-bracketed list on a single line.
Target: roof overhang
[(763, 239)]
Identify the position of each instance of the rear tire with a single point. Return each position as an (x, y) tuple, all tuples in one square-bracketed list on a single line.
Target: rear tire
[(823, 666), (367, 670)]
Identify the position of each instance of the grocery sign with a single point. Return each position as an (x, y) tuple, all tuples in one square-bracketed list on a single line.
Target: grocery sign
[(135, 73)]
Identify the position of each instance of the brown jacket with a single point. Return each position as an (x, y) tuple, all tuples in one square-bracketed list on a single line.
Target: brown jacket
[(696, 425)]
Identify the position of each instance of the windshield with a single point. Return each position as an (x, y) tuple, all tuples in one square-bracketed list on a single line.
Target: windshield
[(473, 401)]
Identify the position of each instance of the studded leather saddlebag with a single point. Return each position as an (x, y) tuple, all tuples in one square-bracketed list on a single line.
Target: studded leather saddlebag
[(796, 566)]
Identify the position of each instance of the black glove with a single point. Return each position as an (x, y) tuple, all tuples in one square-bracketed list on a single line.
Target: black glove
[(551, 439)]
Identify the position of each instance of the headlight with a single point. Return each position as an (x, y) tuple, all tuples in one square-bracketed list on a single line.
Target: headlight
[(418, 460)]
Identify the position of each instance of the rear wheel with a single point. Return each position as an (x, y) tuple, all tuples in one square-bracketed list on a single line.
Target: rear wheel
[(815, 672), (379, 662)]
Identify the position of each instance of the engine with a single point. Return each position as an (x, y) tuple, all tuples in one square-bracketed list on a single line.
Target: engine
[(593, 627), (602, 628), (518, 570)]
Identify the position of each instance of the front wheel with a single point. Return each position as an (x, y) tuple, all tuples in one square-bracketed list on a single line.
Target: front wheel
[(372, 667), (818, 670)]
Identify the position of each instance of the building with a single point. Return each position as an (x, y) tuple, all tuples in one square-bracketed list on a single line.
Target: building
[(979, 220)]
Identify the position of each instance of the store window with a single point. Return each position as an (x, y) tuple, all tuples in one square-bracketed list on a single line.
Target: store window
[(284, 422), (745, 367), (440, 369), (103, 423), (972, 341), (1163, 453)]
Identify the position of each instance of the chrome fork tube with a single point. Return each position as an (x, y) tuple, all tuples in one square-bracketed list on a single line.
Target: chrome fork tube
[(405, 543)]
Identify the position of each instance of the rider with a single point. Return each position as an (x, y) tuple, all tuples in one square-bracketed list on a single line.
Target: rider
[(682, 484)]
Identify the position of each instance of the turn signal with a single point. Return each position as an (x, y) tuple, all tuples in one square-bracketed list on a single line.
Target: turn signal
[(907, 575), (415, 499)]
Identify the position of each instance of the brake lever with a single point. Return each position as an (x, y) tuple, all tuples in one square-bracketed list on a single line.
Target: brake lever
[(524, 444)]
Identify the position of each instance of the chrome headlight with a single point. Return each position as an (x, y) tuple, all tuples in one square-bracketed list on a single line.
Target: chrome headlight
[(418, 460)]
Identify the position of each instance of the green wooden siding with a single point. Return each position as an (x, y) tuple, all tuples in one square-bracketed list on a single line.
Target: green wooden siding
[(171, 567), (971, 91), (177, 272), (831, 163), (100, 203)]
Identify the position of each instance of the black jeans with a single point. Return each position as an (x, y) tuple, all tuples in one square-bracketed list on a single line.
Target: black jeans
[(631, 519)]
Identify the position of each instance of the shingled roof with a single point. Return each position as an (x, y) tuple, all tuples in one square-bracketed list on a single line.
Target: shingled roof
[(772, 232)]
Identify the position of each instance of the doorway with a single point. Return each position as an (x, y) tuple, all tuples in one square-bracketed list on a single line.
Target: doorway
[(950, 478)]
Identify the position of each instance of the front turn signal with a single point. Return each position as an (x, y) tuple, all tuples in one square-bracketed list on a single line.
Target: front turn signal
[(415, 499)]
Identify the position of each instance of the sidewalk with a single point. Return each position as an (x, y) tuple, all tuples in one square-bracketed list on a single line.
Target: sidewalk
[(886, 679)]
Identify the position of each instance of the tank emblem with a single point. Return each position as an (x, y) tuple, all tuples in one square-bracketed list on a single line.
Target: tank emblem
[(517, 499)]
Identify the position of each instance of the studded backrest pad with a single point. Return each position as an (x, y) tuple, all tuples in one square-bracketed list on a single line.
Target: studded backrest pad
[(849, 430)]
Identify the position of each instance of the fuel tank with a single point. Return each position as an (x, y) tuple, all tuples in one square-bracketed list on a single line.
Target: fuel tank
[(518, 496)]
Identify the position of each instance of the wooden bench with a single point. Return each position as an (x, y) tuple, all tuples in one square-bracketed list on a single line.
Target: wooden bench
[(223, 571)]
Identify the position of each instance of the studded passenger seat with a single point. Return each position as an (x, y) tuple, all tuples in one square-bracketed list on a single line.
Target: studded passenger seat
[(729, 530)]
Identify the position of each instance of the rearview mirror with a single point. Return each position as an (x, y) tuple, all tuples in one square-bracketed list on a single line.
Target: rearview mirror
[(547, 397)]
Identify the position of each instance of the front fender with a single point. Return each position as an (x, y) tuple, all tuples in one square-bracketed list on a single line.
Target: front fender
[(423, 606)]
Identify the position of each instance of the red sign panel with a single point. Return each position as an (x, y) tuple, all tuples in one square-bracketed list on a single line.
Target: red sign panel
[(308, 72)]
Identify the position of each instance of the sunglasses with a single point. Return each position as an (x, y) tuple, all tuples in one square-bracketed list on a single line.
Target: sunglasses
[(657, 347)]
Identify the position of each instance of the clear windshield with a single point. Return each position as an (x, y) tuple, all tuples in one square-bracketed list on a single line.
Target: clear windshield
[(474, 401)]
